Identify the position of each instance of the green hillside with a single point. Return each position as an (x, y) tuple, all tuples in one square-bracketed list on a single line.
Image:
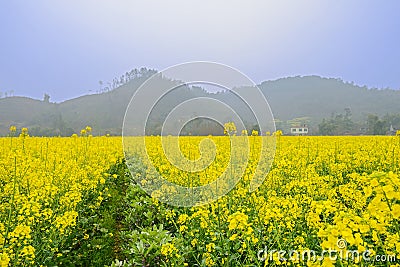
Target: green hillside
[(318, 98), (309, 98)]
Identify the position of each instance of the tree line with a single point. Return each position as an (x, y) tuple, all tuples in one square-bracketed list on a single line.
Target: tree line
[(342, 124), (125, 78)]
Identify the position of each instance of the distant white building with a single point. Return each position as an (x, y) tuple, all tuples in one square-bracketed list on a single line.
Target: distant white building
[(392, 131), (299, 130)]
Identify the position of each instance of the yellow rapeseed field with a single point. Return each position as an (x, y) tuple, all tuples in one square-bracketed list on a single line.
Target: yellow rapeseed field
[(322, 193), (41, 183)]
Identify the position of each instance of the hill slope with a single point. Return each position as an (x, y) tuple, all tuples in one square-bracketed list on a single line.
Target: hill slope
[(318, 98), (310, 96)]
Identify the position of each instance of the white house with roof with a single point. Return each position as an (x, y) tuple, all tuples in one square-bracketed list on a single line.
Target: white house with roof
[(299, 130)]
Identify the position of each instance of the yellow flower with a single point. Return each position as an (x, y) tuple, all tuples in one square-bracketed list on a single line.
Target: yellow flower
[(233, 237), (4, 259), (254, 240), (182, 228), (208, 260), (210, 247), (229, 128), (168, 249), (28, 252), (238, 220), (203, 223), (374, 183), (396, 212), (24, 132), (183, 218)]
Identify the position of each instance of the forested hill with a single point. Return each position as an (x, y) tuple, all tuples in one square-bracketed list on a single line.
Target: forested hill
[(319, 98), (307, 99)]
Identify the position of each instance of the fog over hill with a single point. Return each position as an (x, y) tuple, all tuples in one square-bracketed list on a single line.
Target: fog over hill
[(294, 100)]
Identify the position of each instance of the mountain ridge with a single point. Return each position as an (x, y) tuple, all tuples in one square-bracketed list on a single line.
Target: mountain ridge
[(311, 97)]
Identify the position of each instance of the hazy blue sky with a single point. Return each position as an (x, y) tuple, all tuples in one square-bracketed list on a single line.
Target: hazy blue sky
[(65, 47)]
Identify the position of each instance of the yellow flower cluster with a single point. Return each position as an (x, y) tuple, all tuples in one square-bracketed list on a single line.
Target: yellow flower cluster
[(238, 220), (168, 249)]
